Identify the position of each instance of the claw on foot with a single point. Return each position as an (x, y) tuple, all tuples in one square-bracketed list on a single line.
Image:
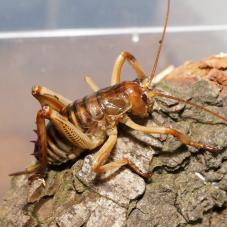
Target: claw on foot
[(212, 149)]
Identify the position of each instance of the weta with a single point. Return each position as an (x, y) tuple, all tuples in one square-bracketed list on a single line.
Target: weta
[(92, 121)]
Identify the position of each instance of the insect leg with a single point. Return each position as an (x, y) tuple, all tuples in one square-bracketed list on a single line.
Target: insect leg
[(91, 83), (118, 67), (48, 97), (33, 168), (168, 131), (42, 141), (119, 163), (70, 131), (103, 154), (40, 149)]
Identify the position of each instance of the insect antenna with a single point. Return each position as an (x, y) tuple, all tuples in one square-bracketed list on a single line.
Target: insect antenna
[(154, 93), (152, 75), (160, 45)]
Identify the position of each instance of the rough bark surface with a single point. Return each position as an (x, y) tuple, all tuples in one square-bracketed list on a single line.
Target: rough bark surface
[(187, 188)]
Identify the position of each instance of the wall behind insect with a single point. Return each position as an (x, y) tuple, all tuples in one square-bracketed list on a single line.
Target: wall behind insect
[(60, 63)]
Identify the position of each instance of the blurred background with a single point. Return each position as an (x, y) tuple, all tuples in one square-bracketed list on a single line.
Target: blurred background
[(34, 49)]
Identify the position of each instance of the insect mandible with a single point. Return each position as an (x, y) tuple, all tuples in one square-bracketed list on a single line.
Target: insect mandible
[(90, 122)]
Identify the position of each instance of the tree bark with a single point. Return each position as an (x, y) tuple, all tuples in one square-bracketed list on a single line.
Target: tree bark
[(187, 187)]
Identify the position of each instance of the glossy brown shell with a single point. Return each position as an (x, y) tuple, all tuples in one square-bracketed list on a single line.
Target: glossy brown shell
[(111, 102)]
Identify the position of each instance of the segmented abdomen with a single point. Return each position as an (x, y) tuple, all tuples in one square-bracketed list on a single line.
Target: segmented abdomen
[(59, 149)]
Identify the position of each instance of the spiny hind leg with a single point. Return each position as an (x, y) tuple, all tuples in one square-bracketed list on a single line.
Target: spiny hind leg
[(168, 131), (70, 131), (42, 142), (40, 149), (103, 154), (48, 97), (33, 168), (116, 75)]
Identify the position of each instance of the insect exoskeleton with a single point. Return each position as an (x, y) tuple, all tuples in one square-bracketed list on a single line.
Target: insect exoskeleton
[(95, 115), (91, 122)]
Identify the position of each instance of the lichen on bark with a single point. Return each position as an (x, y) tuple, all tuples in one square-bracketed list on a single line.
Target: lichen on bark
[(187, 187)]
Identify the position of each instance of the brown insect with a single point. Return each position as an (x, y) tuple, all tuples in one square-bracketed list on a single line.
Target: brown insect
[(87, 123)]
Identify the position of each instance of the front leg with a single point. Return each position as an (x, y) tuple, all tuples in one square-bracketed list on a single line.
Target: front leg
[(168, 131)]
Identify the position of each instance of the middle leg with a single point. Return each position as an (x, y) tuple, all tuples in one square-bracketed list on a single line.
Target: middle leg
[(104, 152)]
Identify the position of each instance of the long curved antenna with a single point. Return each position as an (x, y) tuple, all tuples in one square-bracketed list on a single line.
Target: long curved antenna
[(153, 94), (160, 44)]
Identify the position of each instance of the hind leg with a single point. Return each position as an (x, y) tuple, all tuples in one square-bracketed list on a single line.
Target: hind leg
[(40, 149), (70, 131), (42, 141), (58, 103), (48, 97)]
